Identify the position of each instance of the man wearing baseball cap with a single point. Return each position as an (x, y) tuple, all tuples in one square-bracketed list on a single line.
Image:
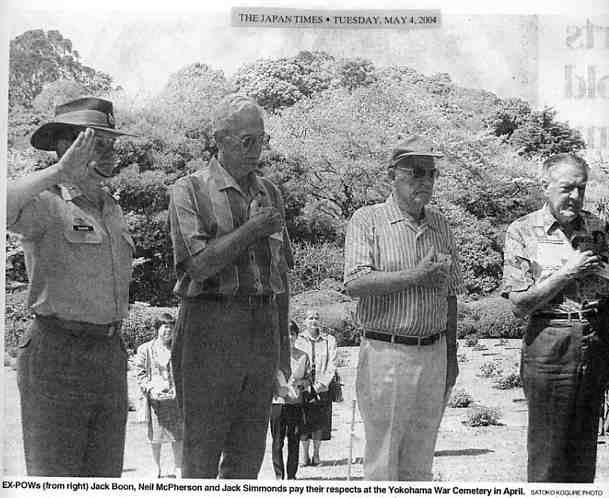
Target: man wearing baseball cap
[(401, 261), (72, 361)]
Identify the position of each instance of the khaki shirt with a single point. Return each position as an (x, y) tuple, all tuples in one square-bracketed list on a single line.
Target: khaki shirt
[(209, 204), (536, 246), (78, 258)]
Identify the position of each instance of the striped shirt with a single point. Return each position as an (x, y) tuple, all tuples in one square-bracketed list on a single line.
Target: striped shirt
[(381, 238), (536, 246), (209, 204)]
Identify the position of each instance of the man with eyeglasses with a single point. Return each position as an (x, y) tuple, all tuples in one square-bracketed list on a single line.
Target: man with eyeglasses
[(72, 362), (401, 261), (555, 272), (231, 253)]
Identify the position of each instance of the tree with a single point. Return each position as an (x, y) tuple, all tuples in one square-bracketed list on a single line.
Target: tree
[(37, 58), (56, 93)]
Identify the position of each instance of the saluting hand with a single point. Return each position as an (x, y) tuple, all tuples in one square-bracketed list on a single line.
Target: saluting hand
[(74, 165), (430, 273)]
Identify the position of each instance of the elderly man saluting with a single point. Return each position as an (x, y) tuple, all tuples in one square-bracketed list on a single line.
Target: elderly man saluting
[(231, 253), (72, 364), (552, 272), (401, 261)]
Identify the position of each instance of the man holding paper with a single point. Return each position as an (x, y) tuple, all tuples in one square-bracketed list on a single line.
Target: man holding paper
[(554, 272)]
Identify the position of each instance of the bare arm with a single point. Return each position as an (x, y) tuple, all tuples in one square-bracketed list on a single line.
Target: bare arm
[(375, 283), (224, 250), (71, 168), (527, 301)]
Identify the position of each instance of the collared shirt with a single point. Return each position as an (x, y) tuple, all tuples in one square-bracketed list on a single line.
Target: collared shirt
[(536, 246), (381, 238), (321, 351), (210, 204), (78, 257)]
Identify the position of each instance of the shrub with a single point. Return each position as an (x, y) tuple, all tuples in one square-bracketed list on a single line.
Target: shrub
[(461, 358), (471, 340), (460, 399), (490, 369), (482, 416), (496, 319), (314, 263), (510, 381), (466, 327), (17, 320)]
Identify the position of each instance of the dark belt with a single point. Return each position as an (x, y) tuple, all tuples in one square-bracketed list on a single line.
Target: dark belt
[(408, 340), (84, 328), (251, 300), (574, 315)]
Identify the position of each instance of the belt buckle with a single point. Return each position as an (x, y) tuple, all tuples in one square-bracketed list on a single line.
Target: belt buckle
[(250, 300), (393, 338)]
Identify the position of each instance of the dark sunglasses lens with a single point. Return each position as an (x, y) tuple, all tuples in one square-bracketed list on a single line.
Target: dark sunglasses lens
[(248, 142)]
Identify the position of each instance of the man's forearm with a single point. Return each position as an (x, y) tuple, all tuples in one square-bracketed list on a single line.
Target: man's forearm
[(451, 325), (377, 283), (283, 309), (20, 192), (220, 252), (526, 302)]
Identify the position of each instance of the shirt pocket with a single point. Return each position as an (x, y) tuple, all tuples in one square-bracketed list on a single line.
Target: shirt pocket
[(82, 229)]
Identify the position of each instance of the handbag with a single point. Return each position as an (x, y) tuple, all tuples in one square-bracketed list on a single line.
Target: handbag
[(142, 415)]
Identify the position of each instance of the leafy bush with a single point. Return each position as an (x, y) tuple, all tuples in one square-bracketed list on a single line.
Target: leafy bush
[(462, 358), (490, 369), (313, 264), (510, 381), (482, 416), (471, 340), (460, 399), (466, 327), (17, 319), (496, 319)]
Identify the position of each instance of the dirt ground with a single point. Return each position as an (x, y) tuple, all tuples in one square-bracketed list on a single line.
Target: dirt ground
[(463, 453)]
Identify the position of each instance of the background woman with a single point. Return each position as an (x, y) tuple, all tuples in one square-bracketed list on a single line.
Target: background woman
[(153, 372), (321, 349), (286, 412)]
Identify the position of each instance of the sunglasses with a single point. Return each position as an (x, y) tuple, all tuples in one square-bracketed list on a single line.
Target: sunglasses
[(250, 141), (420, 173)]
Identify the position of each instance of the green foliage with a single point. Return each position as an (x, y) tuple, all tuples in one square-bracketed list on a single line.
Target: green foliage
[(510, 381), (471, 340), (490, 369), (37, 58), (460, 399), (482, 416), (495, 318), (313, 264), (17, 319), (534, 133)]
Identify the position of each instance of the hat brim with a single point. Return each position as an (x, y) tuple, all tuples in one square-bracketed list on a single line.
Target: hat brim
[(44, 138)]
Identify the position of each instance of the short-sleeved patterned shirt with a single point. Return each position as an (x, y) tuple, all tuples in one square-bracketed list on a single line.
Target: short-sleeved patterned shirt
[(380, 238), (209, 204), (536, 246), (78, 258)]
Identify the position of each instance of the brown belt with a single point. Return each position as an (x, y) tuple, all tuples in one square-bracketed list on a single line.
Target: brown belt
[(85, 328), (408, 340), (251, 300)]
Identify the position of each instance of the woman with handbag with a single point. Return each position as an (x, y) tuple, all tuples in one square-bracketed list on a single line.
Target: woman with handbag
[(286, 411), (317, 408), (153, 373)]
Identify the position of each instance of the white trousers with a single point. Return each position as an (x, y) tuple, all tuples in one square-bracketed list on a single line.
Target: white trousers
[(400, 392)]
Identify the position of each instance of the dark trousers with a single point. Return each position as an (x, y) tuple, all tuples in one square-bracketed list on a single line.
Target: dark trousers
[(224, 358), (564, 370), (286, 421), (73, 390)]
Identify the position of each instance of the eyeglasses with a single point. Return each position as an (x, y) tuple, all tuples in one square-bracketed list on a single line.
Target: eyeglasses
[(104, 143), (249, 141), (420, 173)]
